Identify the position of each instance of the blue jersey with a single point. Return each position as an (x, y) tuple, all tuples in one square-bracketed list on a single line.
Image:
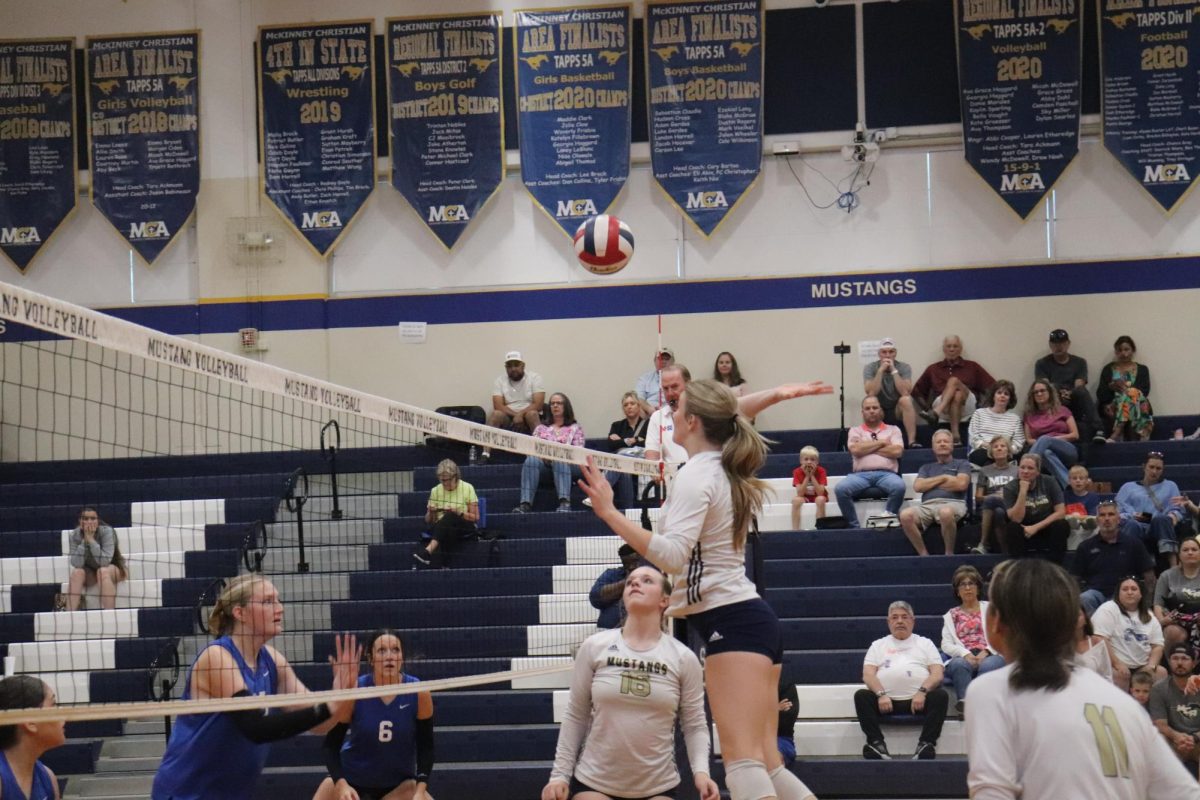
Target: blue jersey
[(207, 757), (42, 788), (380, 747)]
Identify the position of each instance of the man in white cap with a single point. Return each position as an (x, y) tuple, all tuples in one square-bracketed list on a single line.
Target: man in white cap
[(649, 384), (517, 397), (891, 381)]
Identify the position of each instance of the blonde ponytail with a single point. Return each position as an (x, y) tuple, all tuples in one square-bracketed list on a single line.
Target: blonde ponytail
[(237, 593)]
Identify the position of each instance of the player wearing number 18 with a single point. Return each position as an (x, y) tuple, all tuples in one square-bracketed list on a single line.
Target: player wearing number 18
[(1041, 729), (386, 751)]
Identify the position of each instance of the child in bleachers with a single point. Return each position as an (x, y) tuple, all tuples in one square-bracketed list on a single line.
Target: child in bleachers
[(1081, 504), (1139, 687), (810, 481), (989, 491)]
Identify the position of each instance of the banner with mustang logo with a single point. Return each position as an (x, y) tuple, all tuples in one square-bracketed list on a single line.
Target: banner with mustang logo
[(573, 95), (37, 144), (444, 102), (1019, 68), (1148, 61), (316, 106), (144, 122), (704, 66)]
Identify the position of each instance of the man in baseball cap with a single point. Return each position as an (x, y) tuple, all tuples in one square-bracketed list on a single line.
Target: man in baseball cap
[(890, 380), (517, 397), (1070, 374), (649, 383)]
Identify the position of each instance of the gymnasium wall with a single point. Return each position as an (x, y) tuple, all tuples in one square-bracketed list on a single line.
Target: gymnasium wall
[(512, 283)]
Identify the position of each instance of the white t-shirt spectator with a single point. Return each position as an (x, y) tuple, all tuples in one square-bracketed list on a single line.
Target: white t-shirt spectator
[(1129, 637), (903, 664), (660, 437), (519, 395)]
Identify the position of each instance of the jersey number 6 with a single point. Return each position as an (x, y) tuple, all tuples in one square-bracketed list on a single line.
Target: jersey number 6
[(385, 730)]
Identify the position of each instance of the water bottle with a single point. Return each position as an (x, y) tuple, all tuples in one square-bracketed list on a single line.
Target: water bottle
[(473, 455)]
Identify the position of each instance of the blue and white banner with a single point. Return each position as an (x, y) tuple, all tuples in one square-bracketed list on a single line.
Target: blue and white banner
[(1148, 62), (444, 102), (37, 143), (144, 122), (704, 67), (316, 106), (573, 96), (1019, 68)]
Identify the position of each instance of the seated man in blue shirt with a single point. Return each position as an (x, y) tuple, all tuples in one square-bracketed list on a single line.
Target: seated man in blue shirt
[(649, 383), (1102, 561), (1152, 507), (610, 587), (943, 485)]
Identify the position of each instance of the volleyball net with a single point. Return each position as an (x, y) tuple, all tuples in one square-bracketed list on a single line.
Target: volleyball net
[(200, 465)]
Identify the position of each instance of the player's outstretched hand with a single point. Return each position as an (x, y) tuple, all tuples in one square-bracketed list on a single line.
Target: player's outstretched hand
[(707, 787), (597, 488), (790, 391), (554, 790), (344, 661)]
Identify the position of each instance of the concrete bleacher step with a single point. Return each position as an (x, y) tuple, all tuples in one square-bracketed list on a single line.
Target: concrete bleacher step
[(178, 512), (320, 558), (55, 569), (317, 532), (354, 506), (122, 786)]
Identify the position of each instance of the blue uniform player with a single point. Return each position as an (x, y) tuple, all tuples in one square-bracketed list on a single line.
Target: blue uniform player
[(220, 756), (22, 776), (386, 750)]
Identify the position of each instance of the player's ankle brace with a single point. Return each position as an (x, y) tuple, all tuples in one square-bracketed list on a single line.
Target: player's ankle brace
[(788, 786), (747, 779)]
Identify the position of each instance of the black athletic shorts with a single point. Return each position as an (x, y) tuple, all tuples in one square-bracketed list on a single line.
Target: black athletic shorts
[(375, 792), (746, 627), (578, 786)]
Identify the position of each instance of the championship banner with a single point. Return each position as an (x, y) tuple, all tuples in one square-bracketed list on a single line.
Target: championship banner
[(37, 144), (1019, 66), (573, 92), (144, 122), (316, 106), (704, 67), (1148, 62), (447, 126)]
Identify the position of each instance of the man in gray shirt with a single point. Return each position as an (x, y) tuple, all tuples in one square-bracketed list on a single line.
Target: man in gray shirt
[(1070, 374), (1175, 713), (891, 381), (943, 485)]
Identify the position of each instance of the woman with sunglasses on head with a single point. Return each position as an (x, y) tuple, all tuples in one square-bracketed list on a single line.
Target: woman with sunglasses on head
[(1134, 635), (22, 775), (453, 510), (1051, 429), (560, 428)]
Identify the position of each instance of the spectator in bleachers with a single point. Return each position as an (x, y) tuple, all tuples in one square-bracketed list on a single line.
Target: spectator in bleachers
[(903, 673), (608, 589), (1081, 504), (789, 712), (989, 493), (964, 634), (1177, 597), (517, 398), (890, 381), (943, 485), (947, 390), (876, 448), (1140, 684), (1175, 711), (1102, 560), (1069, 374), (1036, 515), (95, 558), (453, 511), (1134, 637), (995, 418), (626, 437), (1091, 651), (660, 440), (562, 429), (1124, 394), (1152, 508), (649, 384), (1051, 430), (22, 775), (810, 480), (629, 686), (725, 370)]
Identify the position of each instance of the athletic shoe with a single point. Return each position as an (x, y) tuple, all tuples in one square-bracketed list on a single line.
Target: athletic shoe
[(876, 751), (523, 508), (959, 706), (587, 502), (929, 415), (914, 445), (422, 556), (925, 752), (979, 549), (485, 456), (1099, 438), (564, 504)]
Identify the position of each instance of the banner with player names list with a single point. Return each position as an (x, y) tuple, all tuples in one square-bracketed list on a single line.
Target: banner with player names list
[(37, 144), (445, 106), (144, 123), (1149, 54), (1019, 65), (573, 95), (704, 66), (317, 114)]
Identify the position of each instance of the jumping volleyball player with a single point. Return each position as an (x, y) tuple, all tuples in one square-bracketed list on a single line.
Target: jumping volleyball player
[(1043, 729), (220, 756), (701, 539), (386, 750), (22, 776)]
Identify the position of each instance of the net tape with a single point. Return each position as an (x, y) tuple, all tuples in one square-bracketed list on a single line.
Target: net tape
[(67, 320)]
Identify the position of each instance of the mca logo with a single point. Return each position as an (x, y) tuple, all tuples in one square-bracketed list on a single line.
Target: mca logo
[(448, 213), (1022, 182), (149, 230), (707, 200), (28, 235), (320, 219), (576, 208), (1166, 173)]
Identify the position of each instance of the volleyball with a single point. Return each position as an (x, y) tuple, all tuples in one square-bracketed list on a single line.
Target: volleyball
[(604, 244)]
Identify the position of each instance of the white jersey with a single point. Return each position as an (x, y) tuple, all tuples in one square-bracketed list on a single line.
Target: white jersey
[(660, 437), (1089, 740), (694, 543), (1131, 639), (625, 702)]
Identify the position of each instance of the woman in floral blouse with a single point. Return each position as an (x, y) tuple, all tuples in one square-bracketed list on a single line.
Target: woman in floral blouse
[(562, 429), (964, 636)]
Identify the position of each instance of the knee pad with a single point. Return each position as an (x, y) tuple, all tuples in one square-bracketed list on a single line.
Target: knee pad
[(747, 779), (788, 786)]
